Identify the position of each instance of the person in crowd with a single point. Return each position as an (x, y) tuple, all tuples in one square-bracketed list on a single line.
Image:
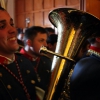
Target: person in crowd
[(34, 38), (20, 34), (51, 43), (17, 79), (50, 30), (20, 38), (85, 79)]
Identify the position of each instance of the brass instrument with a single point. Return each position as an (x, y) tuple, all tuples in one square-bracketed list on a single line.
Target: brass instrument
[(74, 27)]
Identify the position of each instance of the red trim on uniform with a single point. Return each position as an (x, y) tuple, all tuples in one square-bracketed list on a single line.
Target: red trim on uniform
[(95, 48), (3, 60), (22, 51)]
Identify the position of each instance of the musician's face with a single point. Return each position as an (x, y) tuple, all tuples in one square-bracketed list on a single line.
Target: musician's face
[(8, 34), (39, 40)]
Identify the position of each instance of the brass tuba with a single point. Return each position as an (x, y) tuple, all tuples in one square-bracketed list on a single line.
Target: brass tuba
[(74, 28)]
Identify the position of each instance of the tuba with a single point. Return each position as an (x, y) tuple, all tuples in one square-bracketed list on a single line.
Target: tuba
[(74, 28)]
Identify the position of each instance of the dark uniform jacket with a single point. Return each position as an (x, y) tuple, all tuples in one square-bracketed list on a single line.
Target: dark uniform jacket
[(85, 80), (42, 66), (11, 87)]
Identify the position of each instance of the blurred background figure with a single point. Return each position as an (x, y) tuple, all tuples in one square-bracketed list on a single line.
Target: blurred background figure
[(20, 34), (51, 43), (83, 51), (20, 37), (50, 30)]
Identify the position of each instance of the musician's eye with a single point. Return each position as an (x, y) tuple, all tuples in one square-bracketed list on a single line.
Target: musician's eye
[(2, 26)]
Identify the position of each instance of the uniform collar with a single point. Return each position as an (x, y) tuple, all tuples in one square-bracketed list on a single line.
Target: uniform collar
[(94, 50), (22, 51), (6, 60)]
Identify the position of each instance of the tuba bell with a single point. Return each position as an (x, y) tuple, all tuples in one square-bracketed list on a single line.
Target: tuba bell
[(74, 28)]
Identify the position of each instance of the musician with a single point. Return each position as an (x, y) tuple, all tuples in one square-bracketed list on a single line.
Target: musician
[(17, 78), (34, 38), (85, 80)]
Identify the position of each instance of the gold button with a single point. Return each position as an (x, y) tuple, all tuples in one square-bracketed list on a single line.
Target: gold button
[(0, 74), (32, 81), (28, 71), (9, 87)]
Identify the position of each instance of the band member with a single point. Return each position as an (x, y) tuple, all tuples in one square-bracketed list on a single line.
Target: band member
[(17, 79), (34, 38), (85, 80)]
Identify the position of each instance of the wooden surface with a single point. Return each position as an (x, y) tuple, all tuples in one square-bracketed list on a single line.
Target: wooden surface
[(37, 10), (93, 7)]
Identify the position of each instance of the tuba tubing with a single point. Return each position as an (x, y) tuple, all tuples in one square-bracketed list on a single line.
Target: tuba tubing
[(74, 28)]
